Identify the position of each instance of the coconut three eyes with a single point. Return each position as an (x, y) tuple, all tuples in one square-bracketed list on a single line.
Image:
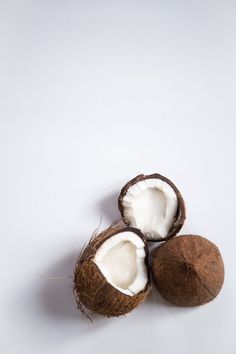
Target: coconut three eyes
[(112, 274), (154, 205)]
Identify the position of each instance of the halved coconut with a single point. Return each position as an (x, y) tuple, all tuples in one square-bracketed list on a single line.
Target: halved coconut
[(112, 274), (154, 205)]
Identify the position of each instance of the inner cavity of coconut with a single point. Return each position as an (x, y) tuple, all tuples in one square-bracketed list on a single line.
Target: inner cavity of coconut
[(121, 259), (151, 205)]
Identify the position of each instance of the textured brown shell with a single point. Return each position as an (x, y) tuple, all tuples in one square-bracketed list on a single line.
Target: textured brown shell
[(91, 288), (180, 213), (188, 270)]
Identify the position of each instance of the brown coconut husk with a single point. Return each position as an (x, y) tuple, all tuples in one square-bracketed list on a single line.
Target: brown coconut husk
[(188, 270), (91, 289), (180, 213)]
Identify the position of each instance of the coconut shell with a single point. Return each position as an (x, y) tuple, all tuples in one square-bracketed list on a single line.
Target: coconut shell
[(188, 270), (92, 290), (180, 213)]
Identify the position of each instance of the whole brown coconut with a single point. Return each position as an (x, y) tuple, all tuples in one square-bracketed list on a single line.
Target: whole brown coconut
[(188, 270), (153, 204), (108, 278)]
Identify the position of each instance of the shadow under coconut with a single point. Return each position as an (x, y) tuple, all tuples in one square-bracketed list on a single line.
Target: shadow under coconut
[(108, 207), (56, 294)]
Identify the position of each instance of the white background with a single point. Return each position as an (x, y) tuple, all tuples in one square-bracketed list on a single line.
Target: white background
[(91, 94)]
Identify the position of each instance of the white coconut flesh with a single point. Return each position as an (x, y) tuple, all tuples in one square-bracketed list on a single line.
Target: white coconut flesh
[(151, 205), (121, 259)]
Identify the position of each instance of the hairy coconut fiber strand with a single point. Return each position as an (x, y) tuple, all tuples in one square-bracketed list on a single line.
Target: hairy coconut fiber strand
[(93, 291), (188, 270), (153, 204)]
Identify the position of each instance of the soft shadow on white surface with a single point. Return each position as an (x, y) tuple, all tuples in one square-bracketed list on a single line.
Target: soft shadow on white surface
[(108, 207), (55, 295)]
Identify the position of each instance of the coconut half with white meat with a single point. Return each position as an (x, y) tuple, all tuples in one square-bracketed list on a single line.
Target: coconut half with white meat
[(112, 274), (153, 204)]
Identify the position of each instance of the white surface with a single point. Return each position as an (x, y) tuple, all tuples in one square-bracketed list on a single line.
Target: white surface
[(121, 259), (91, 94), (151, 205)]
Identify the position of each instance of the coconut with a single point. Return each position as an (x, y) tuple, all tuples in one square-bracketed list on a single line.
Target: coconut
[(112, 273), (154, 205), (188, 270)]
